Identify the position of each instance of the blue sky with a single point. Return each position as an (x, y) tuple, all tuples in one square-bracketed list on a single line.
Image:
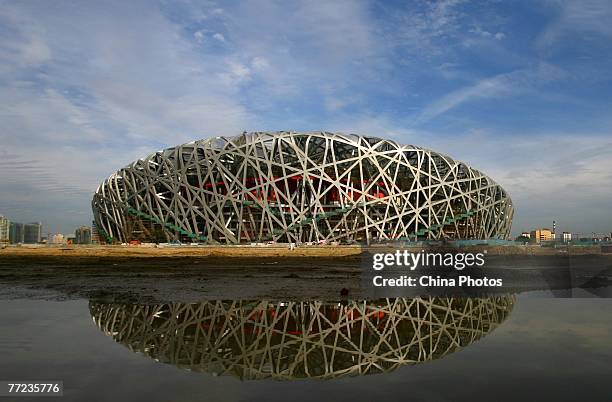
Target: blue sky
[(521, 90)]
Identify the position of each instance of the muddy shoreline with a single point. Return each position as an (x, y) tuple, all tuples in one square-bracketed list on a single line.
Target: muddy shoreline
[(168, 278), (276, 250), (173, 278)]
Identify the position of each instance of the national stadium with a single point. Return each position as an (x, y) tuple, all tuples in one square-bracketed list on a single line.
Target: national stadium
[(294, 187)]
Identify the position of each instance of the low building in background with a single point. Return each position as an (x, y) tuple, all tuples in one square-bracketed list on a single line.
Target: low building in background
[(523, 238), (601, 237), (4, 229), (32, 233), (82, 235), (542, 235), (57, 238), (567, 237)]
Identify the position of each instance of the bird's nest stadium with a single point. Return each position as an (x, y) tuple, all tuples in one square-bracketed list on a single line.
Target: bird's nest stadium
[(299, 187), (258, 339)]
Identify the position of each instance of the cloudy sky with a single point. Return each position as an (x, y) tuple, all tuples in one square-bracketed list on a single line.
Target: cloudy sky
[(521, 90)]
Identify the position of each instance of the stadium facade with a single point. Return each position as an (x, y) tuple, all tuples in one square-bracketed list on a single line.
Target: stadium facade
[(299, 187)]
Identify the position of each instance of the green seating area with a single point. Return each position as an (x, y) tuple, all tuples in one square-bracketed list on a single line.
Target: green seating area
[(438, 226), (293, 226), (303, 222), (140, 214), (109, 238)]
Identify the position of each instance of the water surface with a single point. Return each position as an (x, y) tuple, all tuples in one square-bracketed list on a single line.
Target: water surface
[(543, 348)]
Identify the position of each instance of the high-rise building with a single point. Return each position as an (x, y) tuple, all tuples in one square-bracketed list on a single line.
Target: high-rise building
[(16, 233), (32, 232), (540, 235), (82, 235), (4, 229)]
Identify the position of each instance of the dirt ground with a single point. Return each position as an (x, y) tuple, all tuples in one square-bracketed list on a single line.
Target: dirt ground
[(191, 274), (172, 278), (183, 251), (240, 251)]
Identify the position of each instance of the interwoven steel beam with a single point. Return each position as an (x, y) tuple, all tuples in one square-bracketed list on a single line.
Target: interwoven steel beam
[(283, 341), (300, 187)]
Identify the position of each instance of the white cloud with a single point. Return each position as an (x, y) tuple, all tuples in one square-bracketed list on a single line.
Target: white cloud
[(577, 17), (90, 96), (22, 50), (239, 71), (218, 36), (506, 84), (423, 28), (297, 46), (199, 36), (479, 31), (336, 103), (485, 88), (260, 63), (486, 34), (135, 73)]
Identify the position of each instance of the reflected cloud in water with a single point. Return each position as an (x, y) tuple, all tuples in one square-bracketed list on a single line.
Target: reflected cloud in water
[(293, 340)]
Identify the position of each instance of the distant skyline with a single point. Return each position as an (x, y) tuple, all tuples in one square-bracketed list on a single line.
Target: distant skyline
[(520, 90)]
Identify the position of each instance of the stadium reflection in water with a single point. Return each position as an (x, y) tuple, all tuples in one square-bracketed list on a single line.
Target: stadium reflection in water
[(293, 340)]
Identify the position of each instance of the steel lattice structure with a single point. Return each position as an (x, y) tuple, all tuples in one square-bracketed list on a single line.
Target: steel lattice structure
[(260, 339), (300, 187)]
